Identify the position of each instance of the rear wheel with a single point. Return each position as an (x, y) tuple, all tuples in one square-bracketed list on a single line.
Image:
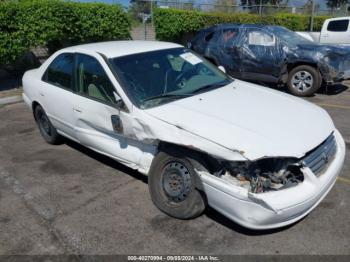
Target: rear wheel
[(47, 130), (304, 80), (172, 184)]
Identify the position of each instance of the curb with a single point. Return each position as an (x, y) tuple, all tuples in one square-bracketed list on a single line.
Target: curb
[(10, 100)]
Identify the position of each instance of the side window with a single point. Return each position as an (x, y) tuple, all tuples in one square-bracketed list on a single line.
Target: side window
[(209, 36), (60, 71), (229, 37), (261, 38), (92, 80), (338, 25)]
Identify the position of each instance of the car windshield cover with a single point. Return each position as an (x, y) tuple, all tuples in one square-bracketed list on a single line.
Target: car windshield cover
[(154, 78), (289, 37)]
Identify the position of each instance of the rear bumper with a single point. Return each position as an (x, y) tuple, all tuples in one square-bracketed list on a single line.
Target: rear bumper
[(26, 100), (278, 208)]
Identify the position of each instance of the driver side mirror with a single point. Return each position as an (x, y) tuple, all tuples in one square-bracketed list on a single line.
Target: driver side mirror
[(222, 68), (119, 102)]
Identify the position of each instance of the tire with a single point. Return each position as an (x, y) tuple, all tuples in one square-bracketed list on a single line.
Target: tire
[(172, 185), (47, 130), (304, 80)]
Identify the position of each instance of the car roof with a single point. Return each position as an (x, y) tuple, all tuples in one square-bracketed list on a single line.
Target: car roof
[(113, 49)]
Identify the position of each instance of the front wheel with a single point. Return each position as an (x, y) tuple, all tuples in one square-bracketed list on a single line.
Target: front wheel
[(171, 183), (304, 80)]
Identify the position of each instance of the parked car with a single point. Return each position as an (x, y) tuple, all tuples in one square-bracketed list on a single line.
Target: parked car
[(334, 31), (201, 136), (273, 54)]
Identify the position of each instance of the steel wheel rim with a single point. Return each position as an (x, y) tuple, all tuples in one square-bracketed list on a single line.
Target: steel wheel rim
[(176, 181), (302, 81), (44, 123)]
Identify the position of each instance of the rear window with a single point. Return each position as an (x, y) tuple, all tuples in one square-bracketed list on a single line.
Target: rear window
[(60, 71), (260, 38), (338, 25)]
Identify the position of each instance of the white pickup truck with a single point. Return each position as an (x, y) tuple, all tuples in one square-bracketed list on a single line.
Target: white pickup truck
[(334, 31)]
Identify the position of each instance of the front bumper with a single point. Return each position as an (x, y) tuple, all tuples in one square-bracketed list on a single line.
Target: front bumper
[(273, 209)]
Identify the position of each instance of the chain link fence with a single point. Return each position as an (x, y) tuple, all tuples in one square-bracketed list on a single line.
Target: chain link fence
[(229, 6)]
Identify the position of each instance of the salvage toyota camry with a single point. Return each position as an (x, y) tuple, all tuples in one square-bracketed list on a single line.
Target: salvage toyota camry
[(202, 137)]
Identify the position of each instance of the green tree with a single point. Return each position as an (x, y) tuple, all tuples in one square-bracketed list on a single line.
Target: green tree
[(254, 5), (137, 7), (307, 8), (336, 4)]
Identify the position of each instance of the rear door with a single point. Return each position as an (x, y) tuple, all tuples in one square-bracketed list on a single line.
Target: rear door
[(261, 56), (98, 110), (199, 43), (229, 51), (335, 32), (57, 93)]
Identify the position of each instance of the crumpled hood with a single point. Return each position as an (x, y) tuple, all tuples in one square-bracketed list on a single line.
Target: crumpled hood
[(325, 49), (257, 121)]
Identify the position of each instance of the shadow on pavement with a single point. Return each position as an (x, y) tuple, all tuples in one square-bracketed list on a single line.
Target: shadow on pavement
[(106, 160), (333, 90), (325, 90)]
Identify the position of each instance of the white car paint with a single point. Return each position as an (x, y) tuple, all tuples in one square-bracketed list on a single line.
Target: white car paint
[(252, 126), (311, 36), (238, 122), (329, 35)]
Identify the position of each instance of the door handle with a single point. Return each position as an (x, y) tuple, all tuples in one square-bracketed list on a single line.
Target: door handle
[(41, 94), (77, 110)]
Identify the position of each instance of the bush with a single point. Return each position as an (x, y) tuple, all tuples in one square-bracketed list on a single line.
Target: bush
[(172, 24), (55, 24)]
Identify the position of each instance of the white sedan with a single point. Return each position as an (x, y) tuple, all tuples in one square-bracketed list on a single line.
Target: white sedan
[(262, 158)]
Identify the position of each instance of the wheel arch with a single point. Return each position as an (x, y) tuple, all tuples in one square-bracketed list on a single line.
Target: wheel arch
[(291, 66), (208, 161)]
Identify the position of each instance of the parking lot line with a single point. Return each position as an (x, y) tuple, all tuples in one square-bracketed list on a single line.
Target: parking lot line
[(336, 106), (344, 180)]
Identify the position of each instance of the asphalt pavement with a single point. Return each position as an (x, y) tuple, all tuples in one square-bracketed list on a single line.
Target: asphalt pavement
[(67, 199)]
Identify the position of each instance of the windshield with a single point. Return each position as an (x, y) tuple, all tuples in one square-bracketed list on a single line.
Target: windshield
[(157, 77), (289, 36)]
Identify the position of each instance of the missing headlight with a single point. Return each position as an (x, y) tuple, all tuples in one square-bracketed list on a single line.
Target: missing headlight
[(263, 175)]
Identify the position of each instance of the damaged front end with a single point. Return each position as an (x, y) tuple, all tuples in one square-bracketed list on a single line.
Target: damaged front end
[(264, 175), (274, 192)]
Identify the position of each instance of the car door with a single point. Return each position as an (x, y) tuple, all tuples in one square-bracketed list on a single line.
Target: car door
[(335, 32), (261, 56), (199, 43), (97, 111), (57, 93), (229, 50)]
